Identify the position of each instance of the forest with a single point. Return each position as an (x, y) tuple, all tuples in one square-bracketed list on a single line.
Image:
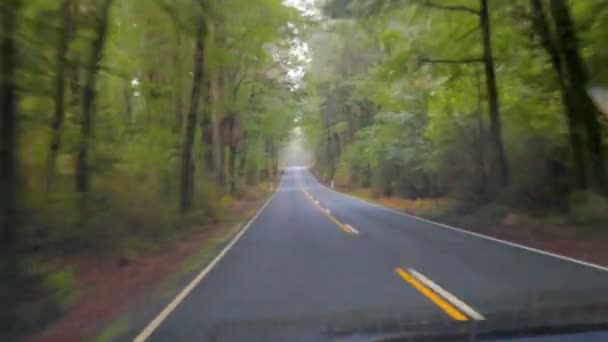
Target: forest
[(127, 123), (485, 107)]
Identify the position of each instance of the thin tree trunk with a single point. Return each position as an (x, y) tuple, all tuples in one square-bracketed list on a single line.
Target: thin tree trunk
[(207, 133), (216, 139), (83, 176), (494, 109), (74, 70), (578, 78), (330, 154), (541, 25), (179, 87), (8, 174), (57, 124), (242, 161), (275, 161), (232, 167), (128, 97), (480, 140), (187, 167)]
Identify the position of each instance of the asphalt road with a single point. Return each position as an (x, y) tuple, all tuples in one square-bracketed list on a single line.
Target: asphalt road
[(314, 260)]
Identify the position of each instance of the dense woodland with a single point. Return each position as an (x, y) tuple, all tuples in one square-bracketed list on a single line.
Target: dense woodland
[(125, 123), (479, 101)]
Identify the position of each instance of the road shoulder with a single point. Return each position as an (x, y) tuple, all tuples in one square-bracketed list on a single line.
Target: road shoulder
[(577, 244), (121, 301)]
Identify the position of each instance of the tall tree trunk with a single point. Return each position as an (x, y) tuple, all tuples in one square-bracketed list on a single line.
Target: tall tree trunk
[(8, 174), (494, 109), (179, 80), (543, 30), (75, 91), (330, 153), (577, 81), (83, 176), (187, 167), (479, 141), (57, 124), (242, 162), (232, 171), (215, 127)]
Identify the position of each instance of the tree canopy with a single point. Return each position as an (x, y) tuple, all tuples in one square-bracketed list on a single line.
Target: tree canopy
[(477, 99)]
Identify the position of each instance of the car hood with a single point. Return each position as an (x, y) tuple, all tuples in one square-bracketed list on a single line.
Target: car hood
[(587, 322)]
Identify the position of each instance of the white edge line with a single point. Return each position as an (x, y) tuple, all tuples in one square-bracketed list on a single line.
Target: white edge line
[(512, 244), (158, 320), (352, 229), (447, 296)]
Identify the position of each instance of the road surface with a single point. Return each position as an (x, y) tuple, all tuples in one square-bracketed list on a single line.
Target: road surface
[(316, 258)]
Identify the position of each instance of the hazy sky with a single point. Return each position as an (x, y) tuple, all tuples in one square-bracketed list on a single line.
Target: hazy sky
[(308, 7), (299, 49)]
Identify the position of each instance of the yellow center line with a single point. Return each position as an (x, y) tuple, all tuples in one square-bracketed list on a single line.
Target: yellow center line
[(326, 213), (435, 298)]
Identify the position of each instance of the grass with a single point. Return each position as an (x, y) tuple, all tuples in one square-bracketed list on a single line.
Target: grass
[(363, 193), (207, 252), (62, 288), (117, 329)]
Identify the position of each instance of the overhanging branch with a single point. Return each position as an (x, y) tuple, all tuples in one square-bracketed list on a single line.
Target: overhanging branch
[(451, 7), (450, 61)]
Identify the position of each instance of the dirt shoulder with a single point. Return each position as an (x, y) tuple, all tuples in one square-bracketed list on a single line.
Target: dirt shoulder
[(115, 299), (574, 241)]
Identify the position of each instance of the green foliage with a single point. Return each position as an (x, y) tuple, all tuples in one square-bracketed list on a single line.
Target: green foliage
[(588, 208), (142, 81), (61, 286), (115, 331), (142, 97), (399, 102)]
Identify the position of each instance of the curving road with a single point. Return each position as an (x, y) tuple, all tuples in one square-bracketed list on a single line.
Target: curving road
[(314, 259)]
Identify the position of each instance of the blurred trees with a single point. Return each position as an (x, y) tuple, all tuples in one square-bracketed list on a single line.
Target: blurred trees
[(114, 94), (126, 121), (405, 98), (8, 167)]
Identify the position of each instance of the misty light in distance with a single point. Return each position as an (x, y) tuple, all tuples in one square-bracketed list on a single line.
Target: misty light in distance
[(296, 152)]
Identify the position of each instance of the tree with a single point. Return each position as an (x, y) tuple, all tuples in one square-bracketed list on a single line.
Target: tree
[(187, 170), (500, 156), (65, 11), (83, 176), (429, 55), (556, 33), (544, 31), (495, 121), (577, 81), (9, 11), (114, 103)]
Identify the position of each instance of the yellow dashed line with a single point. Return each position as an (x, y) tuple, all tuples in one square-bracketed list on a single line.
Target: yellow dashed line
[(326, 213)]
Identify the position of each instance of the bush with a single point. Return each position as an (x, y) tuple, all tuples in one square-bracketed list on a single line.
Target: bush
[(206, 200), (555, 219), (226, 201), (488, 215), (437, 213), (588, 208), (61, 286), (48, 220), (342, 176)]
